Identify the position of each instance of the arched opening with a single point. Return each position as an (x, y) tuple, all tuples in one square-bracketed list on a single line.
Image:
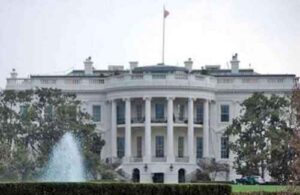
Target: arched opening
[(136, 175), (181, 176)]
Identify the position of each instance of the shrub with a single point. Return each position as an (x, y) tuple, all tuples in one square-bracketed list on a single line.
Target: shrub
[(112, 189), (266, 193)]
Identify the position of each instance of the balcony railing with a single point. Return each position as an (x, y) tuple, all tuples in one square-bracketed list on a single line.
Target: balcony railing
[(158, 120), (182, 159), (138, 120), (159, 159), (198, 121), (120, 121), (181, 120), (136, 159)]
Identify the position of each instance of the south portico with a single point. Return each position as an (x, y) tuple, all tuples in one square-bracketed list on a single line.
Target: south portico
[(155, 127)]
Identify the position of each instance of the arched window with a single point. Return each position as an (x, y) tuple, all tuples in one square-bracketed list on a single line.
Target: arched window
[(136, 175), (181, 176)]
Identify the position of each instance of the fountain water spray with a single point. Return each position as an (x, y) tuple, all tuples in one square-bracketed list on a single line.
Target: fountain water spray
[(66, 163)]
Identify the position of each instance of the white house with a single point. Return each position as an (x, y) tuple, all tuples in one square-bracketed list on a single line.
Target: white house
[(158, 121)]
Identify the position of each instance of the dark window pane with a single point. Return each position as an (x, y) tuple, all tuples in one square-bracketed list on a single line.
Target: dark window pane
[(199, 147), (159, 111), (224, 113), (224, 147), (96, 113), (159, 146), (120, 147), (139, 146), (180, 147)]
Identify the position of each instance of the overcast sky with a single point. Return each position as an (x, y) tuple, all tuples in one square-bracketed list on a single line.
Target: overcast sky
[(55, 36)]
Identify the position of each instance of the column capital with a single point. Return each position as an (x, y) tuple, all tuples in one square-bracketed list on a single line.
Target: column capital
[(170, 98), (147, 98), (126, 99), (192, 99)]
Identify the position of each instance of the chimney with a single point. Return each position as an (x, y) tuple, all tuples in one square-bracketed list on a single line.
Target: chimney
[(88, 66), (189, 64), (235, 64), (13, 74), (133, 65)]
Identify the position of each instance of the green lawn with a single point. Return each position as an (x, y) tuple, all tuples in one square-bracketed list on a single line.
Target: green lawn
[(258, 188)]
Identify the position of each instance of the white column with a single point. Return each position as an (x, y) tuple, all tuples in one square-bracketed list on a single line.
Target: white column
[(113, 129), (127, 129), (170, 131), (206, 129), (191, 130), (147, 155)]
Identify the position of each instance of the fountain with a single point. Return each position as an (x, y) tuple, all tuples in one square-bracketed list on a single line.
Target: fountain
[(65, 164)]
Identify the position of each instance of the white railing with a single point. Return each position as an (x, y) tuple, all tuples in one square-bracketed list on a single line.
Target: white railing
[(154, 79), (182, 159), (159, 159)]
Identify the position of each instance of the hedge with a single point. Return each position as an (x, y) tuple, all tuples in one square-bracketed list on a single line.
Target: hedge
[(112, 189), (266, 193)]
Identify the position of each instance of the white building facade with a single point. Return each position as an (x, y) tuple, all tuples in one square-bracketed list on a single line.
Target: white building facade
[(159, 121)]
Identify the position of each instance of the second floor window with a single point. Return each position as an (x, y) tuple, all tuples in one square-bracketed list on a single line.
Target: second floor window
[(180, 112), (180, 147), (159, 146), (120, 113), (224, 147), (120, 147), (159, 111), (224, 113), (96, 113), (199, 113), (199, 148), (139, 112)]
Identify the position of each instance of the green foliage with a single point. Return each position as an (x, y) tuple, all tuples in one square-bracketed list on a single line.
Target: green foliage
[(112, 189), (262, 135), (29, 134), (265, 193)]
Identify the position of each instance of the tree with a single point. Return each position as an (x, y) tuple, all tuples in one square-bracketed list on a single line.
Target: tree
[(262, 135), (45, 116), (295, 141)]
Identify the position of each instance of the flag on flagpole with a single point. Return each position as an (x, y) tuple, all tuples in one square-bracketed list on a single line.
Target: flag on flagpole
[(166, 13)]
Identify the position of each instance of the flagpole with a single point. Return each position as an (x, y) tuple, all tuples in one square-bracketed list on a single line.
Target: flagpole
[(163, 38)]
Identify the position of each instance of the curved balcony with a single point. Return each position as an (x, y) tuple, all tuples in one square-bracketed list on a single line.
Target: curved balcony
[(113, 82)]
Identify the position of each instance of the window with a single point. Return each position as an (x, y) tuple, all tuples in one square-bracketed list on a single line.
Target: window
[(139, 146), (159, 111), (199, 113), (96, 113), (181, 112), (224, 113), (48, 112), (199, 147), (139, 112), (180, 147), (224, 147), (121, 113), (159, 146), (120, 147), (23, 110)]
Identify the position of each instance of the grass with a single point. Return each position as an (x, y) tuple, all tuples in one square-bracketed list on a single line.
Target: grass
[(259, 188)]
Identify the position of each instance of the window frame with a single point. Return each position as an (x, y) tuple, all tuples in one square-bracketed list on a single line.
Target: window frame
[(224, 114), (180, 148), (120, 147), (224, 147), (98, 119), (159, 146), (160, 114), (199, 147)]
